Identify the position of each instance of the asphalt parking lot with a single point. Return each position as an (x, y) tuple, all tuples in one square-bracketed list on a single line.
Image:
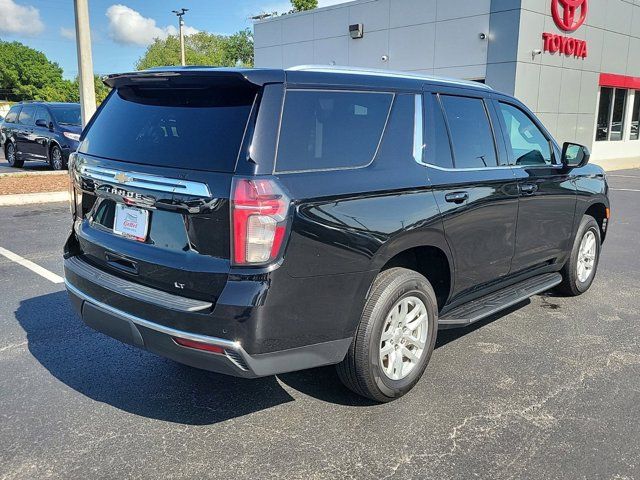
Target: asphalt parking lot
[(548, 390), (28, 166)]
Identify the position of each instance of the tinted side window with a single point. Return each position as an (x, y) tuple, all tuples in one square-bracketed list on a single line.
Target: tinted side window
[(43, 114), (12, 116), (331, 129), (528, 144), (471, 135), (437, 147), (26, 115)]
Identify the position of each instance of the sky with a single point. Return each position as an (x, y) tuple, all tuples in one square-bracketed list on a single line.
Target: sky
[(121, 30)]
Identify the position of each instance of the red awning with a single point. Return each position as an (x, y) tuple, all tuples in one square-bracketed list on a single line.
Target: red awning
[(620, 81)]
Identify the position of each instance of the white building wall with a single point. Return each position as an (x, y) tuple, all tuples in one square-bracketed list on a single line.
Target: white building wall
[(428, 36), (443, 37)]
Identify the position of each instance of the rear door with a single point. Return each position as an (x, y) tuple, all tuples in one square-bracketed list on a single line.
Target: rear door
[(24, 130), (153, 178), (475, 189), (547, 191)]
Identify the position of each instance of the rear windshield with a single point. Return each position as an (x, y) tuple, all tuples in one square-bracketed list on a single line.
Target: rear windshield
[(198, 128)]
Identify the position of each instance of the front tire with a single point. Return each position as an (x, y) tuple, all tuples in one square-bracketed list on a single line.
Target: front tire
[(580, 270), (12, 156), (395, 337), (56, 160)]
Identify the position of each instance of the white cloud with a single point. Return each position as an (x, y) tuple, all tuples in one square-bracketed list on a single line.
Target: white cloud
[(128, 26), (19, 19), (68, 33)]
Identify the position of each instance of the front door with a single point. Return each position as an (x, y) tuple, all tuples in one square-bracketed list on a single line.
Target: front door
[(547, 192), (41, 135), (475, 189)]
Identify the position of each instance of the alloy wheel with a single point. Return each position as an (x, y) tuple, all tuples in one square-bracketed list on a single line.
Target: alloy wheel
[(56, 158), (404, 337), (11, 154), (586, 256)]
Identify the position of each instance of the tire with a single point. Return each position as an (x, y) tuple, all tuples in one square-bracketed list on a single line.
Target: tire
[(365, 370), (574, 280), (56, 159), (12, 156)]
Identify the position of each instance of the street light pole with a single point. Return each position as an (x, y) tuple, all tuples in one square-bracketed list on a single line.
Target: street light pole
[(180, 13), (85, 61)]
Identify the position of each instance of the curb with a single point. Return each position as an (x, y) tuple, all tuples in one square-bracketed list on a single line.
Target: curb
[(611, 165), (32, 174), (33, 198)]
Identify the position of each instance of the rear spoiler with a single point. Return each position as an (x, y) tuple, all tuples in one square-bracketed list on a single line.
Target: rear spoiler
[(185, 75)]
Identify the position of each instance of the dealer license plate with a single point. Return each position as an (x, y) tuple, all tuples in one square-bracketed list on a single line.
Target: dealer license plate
[(131, 222)]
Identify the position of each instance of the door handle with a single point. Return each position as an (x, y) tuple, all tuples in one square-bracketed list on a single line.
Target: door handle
[(456, 197), (529, 188)]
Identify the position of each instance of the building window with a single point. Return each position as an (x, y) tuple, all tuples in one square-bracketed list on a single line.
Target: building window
[(635, 118), (604, 114), (617, 117), (611, 114)]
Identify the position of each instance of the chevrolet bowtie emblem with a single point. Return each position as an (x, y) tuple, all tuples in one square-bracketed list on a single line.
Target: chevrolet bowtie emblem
[(122, 178)]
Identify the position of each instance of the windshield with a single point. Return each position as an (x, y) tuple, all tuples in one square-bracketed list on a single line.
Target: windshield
[(67, 115), (198, 127)]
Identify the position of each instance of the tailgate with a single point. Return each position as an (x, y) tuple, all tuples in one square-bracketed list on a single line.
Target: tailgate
[(185, 246)]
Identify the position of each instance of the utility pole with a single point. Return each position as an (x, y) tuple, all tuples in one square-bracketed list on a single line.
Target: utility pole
[(85, 61), (180, 13)]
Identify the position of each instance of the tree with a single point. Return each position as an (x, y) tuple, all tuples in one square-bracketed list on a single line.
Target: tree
[(200, 49), (239, 49), (302, 5), (27, 74)]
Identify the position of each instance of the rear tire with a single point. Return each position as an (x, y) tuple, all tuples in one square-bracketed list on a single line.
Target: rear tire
[(580, 270), (395, 338), (12, 156)]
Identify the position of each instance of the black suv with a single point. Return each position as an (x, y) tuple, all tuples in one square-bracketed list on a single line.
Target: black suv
[(41, 131), (254, 222)]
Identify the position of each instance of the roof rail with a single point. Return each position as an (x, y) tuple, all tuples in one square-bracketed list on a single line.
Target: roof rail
[(385, 73)]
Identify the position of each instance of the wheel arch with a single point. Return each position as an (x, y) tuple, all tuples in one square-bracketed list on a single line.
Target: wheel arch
[(53, 142), (428, 254), (598, 210)]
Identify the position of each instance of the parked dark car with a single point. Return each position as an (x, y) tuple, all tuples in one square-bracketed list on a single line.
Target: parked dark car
[(254, 222), (41, 131)]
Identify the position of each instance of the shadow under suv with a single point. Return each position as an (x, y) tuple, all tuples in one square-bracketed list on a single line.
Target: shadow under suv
[(255, 222), (41, 131)]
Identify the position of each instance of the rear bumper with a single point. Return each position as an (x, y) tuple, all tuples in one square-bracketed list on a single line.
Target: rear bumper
[(233, 359)]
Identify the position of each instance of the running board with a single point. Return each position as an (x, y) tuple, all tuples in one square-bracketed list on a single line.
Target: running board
[(485, 306)]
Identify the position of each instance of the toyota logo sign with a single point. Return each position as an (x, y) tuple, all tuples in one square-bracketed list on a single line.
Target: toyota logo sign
[(567, 21)]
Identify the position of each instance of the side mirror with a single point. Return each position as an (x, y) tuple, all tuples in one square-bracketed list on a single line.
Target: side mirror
[(42, 123), (574, 155)]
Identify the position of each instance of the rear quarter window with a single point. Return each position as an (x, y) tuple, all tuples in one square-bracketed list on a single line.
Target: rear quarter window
[(323, 130), (12, 116)]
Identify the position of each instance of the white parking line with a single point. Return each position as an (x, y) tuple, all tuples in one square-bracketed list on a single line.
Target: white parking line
[(43, 272), (624, 190)]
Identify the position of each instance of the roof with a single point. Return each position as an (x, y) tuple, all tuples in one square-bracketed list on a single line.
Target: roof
[(373, 72), (51, 104), (304, 74)]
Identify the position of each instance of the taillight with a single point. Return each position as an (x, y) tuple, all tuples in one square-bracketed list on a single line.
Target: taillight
[(258, 216)]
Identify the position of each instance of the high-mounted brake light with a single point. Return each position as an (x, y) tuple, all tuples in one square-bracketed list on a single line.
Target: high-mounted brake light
[(258, 216)]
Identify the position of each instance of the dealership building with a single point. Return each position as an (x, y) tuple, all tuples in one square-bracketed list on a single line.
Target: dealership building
[(575, 63)]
